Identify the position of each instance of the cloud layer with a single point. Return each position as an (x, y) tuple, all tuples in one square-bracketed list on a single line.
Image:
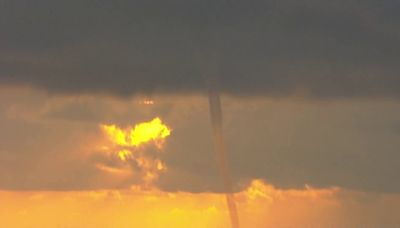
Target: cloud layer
[(275, 48), (56, 143)]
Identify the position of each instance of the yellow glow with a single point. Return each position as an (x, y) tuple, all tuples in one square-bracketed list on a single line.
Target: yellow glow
[(147, 131), (148, 102), (115, 134), (153, 130), (258, 189), (153, 208), (126, 145), (160, 165), (124, 154)]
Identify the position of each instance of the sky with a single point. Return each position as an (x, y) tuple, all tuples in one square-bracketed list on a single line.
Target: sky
[(309, 96)]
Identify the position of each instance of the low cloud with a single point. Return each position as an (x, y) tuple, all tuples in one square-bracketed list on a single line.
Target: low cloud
[(289, 143), (319, 49)]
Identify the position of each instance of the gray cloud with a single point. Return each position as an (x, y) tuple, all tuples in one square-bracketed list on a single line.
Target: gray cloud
[(50, 142), (274, 48), (351, 144)]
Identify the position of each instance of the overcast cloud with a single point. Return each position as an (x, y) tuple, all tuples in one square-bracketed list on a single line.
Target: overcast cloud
[(269, 55), (274, 48)]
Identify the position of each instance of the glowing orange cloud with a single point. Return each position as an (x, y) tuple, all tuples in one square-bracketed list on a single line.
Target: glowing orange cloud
[(147, 131), (153, 130), (115, 134), (126, 146)]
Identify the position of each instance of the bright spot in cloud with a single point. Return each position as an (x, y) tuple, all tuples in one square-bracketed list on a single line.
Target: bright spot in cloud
[(147, 131), (147, 102), (154, 130), (124, 154), (127, 146)]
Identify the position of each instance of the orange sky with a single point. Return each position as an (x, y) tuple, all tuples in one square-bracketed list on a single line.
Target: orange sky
[(59, 168), (260, 205), (158, 113)]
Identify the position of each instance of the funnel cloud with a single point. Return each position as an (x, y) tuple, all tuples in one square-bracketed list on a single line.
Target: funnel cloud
[(221, 152)]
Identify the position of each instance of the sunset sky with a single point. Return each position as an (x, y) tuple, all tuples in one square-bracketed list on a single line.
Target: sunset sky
[(105, 114)]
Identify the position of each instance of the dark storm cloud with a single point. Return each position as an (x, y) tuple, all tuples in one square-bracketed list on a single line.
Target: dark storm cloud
[(317, 48)]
